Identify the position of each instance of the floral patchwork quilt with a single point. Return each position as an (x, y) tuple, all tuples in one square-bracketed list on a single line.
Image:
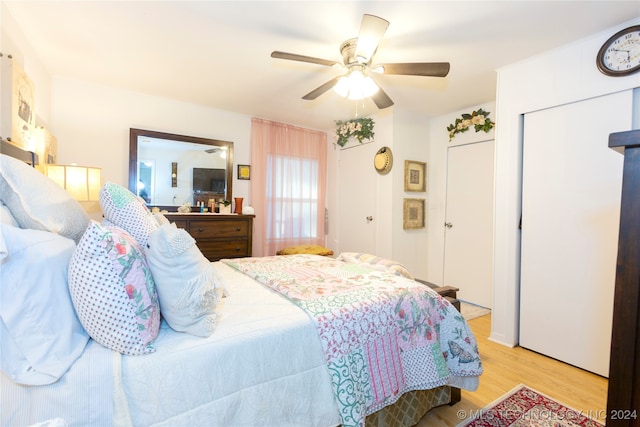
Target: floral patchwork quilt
[(383, 334)]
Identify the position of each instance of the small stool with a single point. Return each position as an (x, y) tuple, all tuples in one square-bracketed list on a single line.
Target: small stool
[(305, 249)]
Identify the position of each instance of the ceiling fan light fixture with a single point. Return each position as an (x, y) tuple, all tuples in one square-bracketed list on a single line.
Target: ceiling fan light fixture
[(357, 58), (364, 88), (356, 86), (342, 87)]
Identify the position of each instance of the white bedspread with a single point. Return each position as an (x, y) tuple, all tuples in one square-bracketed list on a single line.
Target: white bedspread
[(263, 366), (82, 397)]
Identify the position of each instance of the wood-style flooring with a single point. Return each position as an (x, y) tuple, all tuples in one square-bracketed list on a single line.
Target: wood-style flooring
[(505, 368)]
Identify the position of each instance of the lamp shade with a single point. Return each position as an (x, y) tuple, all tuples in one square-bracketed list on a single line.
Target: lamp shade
[(355, 86), (82, 182)]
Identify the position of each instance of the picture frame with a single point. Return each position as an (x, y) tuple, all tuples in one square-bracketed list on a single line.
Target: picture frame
[(244, 172), (413, 214), (17, 100), (415, 176)]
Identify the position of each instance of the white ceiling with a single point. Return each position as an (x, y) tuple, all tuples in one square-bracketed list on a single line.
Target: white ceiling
[(217, 53)]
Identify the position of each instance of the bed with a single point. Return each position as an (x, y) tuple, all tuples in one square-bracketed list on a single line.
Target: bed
[(296, 340)]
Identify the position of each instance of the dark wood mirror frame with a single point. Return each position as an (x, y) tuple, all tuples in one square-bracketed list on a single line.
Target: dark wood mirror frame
[(133, 156)]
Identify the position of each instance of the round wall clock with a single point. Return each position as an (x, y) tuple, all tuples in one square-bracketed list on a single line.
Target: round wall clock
[(383, 160), (620, 54)]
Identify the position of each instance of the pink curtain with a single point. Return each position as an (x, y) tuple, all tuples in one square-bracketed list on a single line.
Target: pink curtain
[(288, 180)]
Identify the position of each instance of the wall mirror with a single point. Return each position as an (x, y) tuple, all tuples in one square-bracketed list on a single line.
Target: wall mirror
[(169, 170)]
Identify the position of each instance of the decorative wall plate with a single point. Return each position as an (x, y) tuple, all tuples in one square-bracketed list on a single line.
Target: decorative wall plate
[(383, 160)]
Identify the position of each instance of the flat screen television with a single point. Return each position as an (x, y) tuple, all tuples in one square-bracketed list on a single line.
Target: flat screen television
[(207, 180)]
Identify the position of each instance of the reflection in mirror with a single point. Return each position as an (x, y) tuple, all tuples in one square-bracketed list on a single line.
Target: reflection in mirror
[(168, 170), (145, 180)]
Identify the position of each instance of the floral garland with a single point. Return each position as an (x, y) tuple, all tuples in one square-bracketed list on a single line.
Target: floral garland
[(359, 129), (479, 119)]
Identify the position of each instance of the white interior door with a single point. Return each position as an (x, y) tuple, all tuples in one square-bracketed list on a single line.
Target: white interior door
[(468, 250), (571, 189), (357, 199)]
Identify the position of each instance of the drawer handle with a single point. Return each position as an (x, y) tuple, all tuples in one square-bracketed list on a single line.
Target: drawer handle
[(200, 229), (237, 249), (237, 228)]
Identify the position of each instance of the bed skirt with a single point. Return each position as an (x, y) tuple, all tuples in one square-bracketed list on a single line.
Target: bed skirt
[(410, 408)]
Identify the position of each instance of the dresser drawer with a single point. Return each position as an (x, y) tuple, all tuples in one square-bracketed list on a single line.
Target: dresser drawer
[(218, 229), (215, 250), (218, 236)]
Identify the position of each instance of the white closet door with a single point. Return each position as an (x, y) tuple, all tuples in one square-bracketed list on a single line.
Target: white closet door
[(357, 199), (468, 248), (570, 216)]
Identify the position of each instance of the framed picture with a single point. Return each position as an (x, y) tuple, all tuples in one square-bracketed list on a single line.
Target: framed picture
[(413, 214), (17, 100), (415, 176), (244, 172)]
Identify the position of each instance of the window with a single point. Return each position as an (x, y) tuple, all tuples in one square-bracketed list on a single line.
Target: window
[(292, 191), (287, 185)]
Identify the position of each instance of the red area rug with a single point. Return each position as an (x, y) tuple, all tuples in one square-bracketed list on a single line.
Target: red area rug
[(523, 406)]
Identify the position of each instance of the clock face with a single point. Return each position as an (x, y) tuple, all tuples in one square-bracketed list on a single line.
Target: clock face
[(620, 55)]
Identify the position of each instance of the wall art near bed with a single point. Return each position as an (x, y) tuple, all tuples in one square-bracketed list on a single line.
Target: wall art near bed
[(413, 214), (46, 145), (18, 98), (244, 172), (415, 176)]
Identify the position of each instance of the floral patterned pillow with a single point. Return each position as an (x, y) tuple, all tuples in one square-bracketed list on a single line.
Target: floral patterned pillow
[(127, 211), (113, 291)]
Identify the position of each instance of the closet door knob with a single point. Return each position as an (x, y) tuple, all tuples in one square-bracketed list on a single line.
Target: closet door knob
[(448, 224)]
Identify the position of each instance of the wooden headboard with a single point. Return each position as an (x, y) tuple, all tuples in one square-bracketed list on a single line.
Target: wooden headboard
[(14, 151)]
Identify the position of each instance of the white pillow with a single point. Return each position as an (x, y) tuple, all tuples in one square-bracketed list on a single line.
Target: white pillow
[(113, 292), (39, 203), (40, 333), (375, 262), (127, 211), (187, 284), (6, 217)]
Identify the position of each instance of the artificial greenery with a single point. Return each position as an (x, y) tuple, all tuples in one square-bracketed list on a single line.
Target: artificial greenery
[(360, 129), (478, 119)]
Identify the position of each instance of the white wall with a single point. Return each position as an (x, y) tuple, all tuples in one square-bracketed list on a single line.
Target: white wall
[(407, 137), (91, 122), (563, 75), (92, 125), (13, 42), (410, 142), (437, 184)]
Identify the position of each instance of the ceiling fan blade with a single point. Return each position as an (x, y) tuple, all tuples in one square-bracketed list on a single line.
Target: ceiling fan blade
[(372, 30), (433, 69), (321, 89), (381, 99), (302, 58)]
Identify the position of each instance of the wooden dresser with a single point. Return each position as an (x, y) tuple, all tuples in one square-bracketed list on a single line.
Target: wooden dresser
[(217, 236)]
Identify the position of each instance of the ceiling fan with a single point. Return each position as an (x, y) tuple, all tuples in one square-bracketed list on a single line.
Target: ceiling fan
[(357, 56)]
